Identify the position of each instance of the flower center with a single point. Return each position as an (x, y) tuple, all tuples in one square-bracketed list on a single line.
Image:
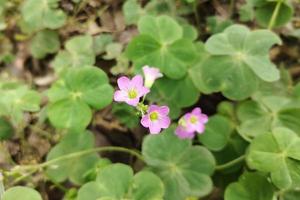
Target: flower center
[(153, 116), (132, 94), (193, 119)]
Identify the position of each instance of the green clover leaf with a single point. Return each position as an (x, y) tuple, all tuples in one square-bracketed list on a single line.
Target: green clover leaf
[(20, 192), (177, 94), (42, 14), (16, 99), (249, 187), (126, 114), (277, 153), (43, 43), (258, 117), (217, 133), (73, 169), (239, 57), (79, 51), (117, 181), (264, 10), (162, 44), (6, 129), (73, 96), (170, 158)]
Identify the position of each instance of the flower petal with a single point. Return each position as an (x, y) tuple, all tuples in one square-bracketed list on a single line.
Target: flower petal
[(164, 110), (154, 128), (153, 108), (196, 111), (137, 81), (123, 83), (120, 96), (133, 102), (145, 121), (200, 128), (165, 122), (182, 133)]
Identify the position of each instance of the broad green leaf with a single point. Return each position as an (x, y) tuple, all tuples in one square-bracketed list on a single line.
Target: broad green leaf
[(170, 158), (290, 195), (258, 117), (265, 8), (277, 153), (177, 94), (43, 43), (118, 182), (74, 168), (69, 113), (246, 11), (21, 193), (78, 52), (73, 96), (113, 51), (42, 14), (217, 133), (132, 11), (241, 61), (100, 42), (126, 114), (6, 129), (216, 24), (235, 148), (251, 186), (16, 99), (162, 44)]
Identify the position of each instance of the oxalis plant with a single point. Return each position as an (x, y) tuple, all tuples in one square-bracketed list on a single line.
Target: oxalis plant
[(153, 87)]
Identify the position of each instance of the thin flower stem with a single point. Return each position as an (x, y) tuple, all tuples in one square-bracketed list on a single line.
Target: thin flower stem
[(275, 15), (89, 151), (33, 168), (231, 163)]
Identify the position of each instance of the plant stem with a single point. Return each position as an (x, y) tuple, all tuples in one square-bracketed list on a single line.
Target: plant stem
[(231, 163), (231, 8), (275, 14), (33, 168), (89, 151), (195, 7)]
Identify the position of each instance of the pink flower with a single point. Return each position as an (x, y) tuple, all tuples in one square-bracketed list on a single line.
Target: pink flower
[(156, 119), (130, 90), (151, 74), (190, 123)]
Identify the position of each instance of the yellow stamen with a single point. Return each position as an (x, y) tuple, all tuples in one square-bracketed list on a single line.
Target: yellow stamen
[(193, 119), (132, 94), (153, 116)]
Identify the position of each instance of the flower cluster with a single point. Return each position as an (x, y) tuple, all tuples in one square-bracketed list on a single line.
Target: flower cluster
[(156, 117), (191, 123), (131, 91)]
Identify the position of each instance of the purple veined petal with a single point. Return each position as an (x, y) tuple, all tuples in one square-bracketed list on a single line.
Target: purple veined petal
[(137, 81), (200, 128), (154, 128), (133, 102), (165, 122), (196, 111), (123, 83), (142, 91), (182, 133), (203, 118), (120, 96), (145, 121), (164, 110), (153, 108)]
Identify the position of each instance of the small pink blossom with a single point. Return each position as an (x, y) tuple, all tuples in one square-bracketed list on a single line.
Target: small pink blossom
[(190, 123), (151, 74), (130, 90), (156, 118)]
